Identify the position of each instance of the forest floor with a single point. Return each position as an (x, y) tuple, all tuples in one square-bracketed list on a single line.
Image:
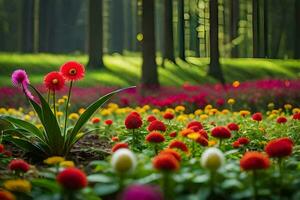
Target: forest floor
[(125, 70)]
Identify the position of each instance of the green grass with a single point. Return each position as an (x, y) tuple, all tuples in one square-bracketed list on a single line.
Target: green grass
[(125, 70)]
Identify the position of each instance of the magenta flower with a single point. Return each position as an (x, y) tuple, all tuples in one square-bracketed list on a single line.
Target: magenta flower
[(20, 79), (142, 192)]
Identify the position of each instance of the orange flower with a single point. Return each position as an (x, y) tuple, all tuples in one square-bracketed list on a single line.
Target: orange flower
[(165, 162), (172, 152), (118, 146), (178, 145), (253, 160)]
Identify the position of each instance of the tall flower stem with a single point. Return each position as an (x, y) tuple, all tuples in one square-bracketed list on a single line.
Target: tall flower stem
[(220, 144), (67, 108), (212, 182), (166, 186), (254, 175), (280, 168), (48, 96), (54, 102)]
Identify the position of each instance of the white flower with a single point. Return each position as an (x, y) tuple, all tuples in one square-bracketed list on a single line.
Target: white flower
[(123, 161), (212, 158)]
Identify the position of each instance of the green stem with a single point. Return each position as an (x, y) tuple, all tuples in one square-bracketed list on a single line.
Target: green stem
[(48, 96), (67, 108), (254, 185), (155, 149), (166, 186), (212, 182), (54, 101), (280, 168), (220, 143)]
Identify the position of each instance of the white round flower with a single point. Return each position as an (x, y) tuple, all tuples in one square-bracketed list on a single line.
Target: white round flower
[(212, 158), (123, 161)]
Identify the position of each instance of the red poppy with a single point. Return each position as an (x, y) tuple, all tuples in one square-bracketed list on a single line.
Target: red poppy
[(54, 81), (1, 148), (157, 125), (173, 134), (281, 120), (202, 141), (178, 145), (151, 118), (95, 120), (108, 122), (236, 144), (253, 160), (195, 123), (280, 147), (155, 137), (165, 162), (18, 165), (203, 133), (296, 116), (133, 121), (233, 127), (120, 145), (168, 116), (257, 117), (243, 140), (220, 132), (172, 152), (72, 71), (72, 179)]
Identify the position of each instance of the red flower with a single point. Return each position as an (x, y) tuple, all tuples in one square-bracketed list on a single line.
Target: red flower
[(233, 127), (178, 145), (253, 160), (280, 147), (257, 116), (243, 140), (72, 179), (54, 81), (155, 137), (118, 146), (151, 118), (157, 126), (115, 139), (168, 116), (173, 134), (202, 141), (108, 122), (165, 162), (95, 120), (133, 121), (72, 71), (220, 132), (18, 165), (203, 133), (7, 153), (296, 116), (236, 144), (1, 148), (5, 195), (195, 123), (171, 152), (281, 120)]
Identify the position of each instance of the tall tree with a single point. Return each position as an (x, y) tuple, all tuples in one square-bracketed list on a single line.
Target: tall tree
[(95, 43), (297, 30), (168, 52), (255, 28), (149, 67), (117, 26), (194, 23), (27, 25), (234, 26), (266, 28), (215, 69), (181, 42)]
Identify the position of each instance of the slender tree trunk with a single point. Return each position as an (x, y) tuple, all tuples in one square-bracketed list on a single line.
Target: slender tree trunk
[(297, 30), (95, 34), (255, 28), (128, 25), (215, 69), (168, 31), (36, 33), (149, 67), (266, 29), (234, 26), (181, 42), (194, 23), (117, 26), (28, 25)]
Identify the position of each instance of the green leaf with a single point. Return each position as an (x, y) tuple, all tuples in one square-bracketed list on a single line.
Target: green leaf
[(99, 178), (102, 189), (89, 112), (46, 184), (37, 109)]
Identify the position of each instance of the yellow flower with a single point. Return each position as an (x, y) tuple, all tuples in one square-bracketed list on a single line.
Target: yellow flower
[(65, 97), (61, 101), (288, 106), (193, 136), (182, 118), (81, 110), (59, 114), (225, 111), (155, 111), (7, 195), (105, 112), (271, 105), (244, 113), (198, 112), (146, 107), (179, 108), (212, 143), (170, 110), (31, 113), (54, 160), (18, 185), (27, 118), (231, 101), (203, 117), (213, 111), (236, 84), (79, 135), (208, 107), (73, 116), (39, 126), (296, 110), (67, 164)]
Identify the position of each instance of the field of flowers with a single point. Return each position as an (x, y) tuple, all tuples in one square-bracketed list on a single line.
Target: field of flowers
[(145, 152)]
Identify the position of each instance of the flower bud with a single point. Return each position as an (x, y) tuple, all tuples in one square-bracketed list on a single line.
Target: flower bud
[(212, 158), (123, 161)]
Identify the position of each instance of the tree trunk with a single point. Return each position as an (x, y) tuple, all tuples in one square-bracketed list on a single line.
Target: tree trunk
[(168, 31), (266, 29), (36, 21), (27, 26), (117, 26), (181, 42), (297, 30), (234, 26), (128, 25), (194, 23), (95, 34), (149, 67), (255, 28), (215, 69)]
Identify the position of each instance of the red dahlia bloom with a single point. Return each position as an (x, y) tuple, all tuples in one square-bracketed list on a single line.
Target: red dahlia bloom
[(5, 195), (108, 122), (157, 126), (243, 140), (165, 162), (296, 116), (257, 117), (281, 120), (173, 134), (178, 145), (253, 160), (7, 153), (171, 152), (133, 121), (236, 144), (280, 147), (18, 165), (72, 179), (95, 120), (54, 81), (72, 71), (233, 127), (220, 132), (118, 146), (1, 148), (151, 118), (203, 133), (115, 139), (195, 123), (168, 116), (155, 137), (202, 141)]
